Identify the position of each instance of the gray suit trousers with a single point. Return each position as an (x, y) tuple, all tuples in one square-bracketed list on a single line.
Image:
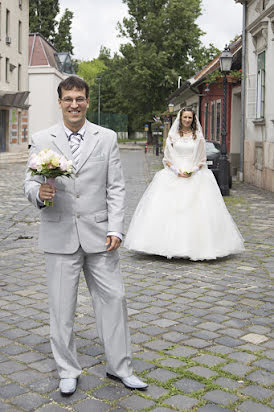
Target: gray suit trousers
[(104, 281)]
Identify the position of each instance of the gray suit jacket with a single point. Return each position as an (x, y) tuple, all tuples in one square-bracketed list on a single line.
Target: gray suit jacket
[(88, 205)]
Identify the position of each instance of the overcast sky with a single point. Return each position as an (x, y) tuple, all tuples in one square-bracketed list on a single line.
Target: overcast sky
[(94, 24)]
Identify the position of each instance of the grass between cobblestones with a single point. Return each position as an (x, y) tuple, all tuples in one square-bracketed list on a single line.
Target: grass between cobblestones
[(202, 309)]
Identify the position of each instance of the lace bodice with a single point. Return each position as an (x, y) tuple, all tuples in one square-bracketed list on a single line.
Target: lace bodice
[(183, 152)]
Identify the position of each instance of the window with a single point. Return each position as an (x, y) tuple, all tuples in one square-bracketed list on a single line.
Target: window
[(7, 22), (218, 121), (7, 69), (20, 36), (260, 106), (206, 121), (0, 20), (212, 126), (19, 77)]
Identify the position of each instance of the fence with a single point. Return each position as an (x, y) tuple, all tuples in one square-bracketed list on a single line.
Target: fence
[(114, 121)]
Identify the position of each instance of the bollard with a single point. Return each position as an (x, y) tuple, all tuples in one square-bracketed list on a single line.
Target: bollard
[(146, 148)]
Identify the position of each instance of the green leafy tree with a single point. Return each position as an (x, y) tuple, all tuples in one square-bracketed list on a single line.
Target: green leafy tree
[(164, 44), (62, 39), (42, 17), (43, 20)]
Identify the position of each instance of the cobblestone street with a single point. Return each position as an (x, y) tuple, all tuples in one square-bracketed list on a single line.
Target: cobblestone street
[(202, 332)]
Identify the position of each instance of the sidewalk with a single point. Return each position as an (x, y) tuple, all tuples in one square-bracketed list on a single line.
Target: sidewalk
[(202, 332)]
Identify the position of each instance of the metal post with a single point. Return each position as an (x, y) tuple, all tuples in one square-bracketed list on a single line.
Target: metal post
[(157, 145), (99, 101), (243, 97), (224, 165)]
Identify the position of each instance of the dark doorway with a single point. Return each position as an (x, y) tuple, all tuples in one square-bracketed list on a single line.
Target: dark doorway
[(2, 130)]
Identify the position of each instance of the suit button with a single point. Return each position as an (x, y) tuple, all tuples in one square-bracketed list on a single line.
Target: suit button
[(78, 196), (78, 215)]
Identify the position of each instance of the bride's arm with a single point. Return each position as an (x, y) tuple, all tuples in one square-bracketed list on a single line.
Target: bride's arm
[(167, 160), (200, 159)]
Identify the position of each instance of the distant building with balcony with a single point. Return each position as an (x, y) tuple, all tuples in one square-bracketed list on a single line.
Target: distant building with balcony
[(47, 68), (259, 90), (14, 91)]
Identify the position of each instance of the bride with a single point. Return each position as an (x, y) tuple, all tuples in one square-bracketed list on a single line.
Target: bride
[(182, 212)]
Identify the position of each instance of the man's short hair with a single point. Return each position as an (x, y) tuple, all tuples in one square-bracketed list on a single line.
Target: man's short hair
[(73, 82)]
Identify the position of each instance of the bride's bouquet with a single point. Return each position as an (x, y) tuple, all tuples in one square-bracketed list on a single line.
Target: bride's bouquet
[(50, 164)]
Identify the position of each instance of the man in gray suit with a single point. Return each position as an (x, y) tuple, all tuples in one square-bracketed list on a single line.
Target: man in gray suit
[(83, 230)]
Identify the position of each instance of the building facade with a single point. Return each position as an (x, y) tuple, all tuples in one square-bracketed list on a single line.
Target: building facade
[(204, 92), (47, 68), (14, 27), (259, 90)]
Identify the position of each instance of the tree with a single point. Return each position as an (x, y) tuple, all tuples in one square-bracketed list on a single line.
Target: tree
[(164, 44), (62, 39), (42, 17)]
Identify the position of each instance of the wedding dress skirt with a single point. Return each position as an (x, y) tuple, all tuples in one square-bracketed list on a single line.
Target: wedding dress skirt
[(183, 217)]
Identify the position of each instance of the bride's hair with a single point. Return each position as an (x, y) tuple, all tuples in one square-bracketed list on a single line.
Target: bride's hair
[(193, 124)]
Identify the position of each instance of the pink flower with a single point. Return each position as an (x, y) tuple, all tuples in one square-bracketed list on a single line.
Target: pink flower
[(63, 164), (33, 162)]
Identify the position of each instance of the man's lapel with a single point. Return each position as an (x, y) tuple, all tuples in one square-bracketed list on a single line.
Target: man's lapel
[(61, 141), (91, 139)]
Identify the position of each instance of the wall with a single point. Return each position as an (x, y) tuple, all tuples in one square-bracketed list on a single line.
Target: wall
[(10, 51), (16, 119), (44, 109), (259, 135)]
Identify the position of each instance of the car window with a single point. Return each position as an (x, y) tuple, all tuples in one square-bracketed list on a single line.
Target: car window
[(211, 148)]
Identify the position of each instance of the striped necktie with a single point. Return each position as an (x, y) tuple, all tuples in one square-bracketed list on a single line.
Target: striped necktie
[(74, 142)]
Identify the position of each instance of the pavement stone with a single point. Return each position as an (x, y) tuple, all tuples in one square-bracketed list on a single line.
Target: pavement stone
[(211, 318), (221, 397), (181, 401), (250, 406)]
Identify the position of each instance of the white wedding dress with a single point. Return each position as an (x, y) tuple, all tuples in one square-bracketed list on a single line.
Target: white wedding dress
[(184, 217)]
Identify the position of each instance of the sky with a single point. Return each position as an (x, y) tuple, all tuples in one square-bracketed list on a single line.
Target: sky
[(95, 24)]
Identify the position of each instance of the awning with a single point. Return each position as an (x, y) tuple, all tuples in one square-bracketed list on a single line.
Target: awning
[(14, 99)]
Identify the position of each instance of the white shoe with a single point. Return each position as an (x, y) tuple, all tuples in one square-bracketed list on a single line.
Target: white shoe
[(131, 382), (68, 386)]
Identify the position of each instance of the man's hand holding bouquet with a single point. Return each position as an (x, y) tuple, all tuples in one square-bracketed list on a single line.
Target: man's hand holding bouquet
[(50, 164)]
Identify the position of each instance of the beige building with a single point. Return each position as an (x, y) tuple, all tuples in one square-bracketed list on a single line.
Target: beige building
[(258, 108), (14, 27), (46, 68)]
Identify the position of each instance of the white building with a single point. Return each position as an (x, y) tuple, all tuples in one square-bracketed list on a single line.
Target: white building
[(258, 47), (47, 68), (14, 27)]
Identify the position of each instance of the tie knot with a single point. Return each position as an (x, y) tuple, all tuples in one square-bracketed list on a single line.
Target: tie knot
[(76, 134)]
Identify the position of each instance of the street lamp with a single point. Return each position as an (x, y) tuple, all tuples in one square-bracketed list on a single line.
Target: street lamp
[(225, 66), (99, 100), (171, 109)]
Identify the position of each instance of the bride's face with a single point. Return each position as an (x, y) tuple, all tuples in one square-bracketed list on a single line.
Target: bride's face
[(186, 118)]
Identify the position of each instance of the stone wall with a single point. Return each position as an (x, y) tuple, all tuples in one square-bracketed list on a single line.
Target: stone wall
[(259, 164)]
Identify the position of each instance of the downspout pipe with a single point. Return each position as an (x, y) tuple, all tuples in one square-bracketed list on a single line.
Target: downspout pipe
[(243, 93)]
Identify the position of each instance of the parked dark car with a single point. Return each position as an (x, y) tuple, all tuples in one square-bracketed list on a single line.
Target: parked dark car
[(213, 152)]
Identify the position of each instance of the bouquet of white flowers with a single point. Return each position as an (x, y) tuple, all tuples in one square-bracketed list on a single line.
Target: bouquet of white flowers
[(50, 164)]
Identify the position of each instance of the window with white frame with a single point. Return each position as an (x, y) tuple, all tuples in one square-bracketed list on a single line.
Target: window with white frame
[(0, 20), (19, 76), (260, 104), (7, 22), (206, 121), (212, 125), (19, 36), (218, 121), (7, 69)]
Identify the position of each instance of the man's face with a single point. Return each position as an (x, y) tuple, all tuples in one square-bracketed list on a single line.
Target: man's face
[(74, 106)]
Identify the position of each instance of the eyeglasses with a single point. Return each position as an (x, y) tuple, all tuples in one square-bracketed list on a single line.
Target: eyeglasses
[(70, 100)]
